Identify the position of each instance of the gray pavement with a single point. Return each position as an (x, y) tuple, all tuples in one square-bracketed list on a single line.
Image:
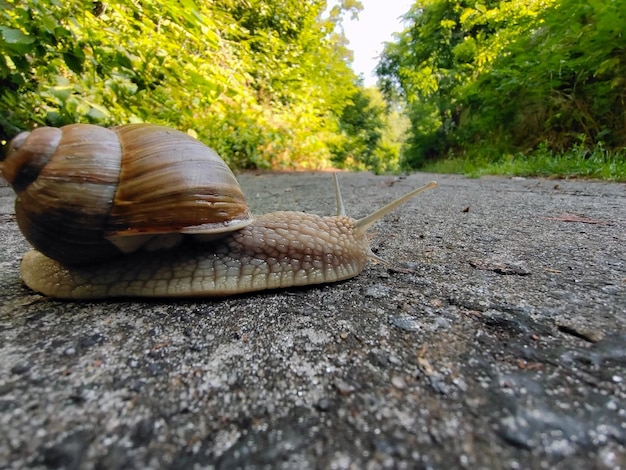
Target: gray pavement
[(496, 340)]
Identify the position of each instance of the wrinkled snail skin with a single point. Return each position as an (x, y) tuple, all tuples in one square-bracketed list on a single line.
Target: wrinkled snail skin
[(147, 211), (278, 250)]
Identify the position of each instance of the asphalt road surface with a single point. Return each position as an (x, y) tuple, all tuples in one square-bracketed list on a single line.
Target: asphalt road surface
[(497, 339)]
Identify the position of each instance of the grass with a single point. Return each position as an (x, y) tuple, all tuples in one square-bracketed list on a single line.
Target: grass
[(576, 163)]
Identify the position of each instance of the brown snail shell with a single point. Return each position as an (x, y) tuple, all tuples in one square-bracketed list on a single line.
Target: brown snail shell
[(88, 193)]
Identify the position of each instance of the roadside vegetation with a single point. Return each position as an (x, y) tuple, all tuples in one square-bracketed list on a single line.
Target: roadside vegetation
[(578, 162), (514, 87), (531, 87), (267, 83)]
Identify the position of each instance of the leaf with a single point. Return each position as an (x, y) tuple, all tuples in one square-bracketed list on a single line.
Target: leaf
[(98, 112), (123, 60), (15, 36), (5, 71), (61, 92), (60, 32), (75, 59), (14, 41)]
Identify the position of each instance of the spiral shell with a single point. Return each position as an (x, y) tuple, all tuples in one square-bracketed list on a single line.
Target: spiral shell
[(88, 193)]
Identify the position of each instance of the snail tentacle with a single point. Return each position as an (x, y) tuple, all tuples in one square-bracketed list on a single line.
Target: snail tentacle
[(341, 210), (366, 222)]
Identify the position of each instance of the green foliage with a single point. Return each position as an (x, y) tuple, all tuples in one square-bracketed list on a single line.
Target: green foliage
[(558, 82), (486, 79), (81, 61), (578, 162), (370, 135), (245, 77)]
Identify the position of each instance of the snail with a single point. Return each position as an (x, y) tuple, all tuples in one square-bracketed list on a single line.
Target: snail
[(147, 211)]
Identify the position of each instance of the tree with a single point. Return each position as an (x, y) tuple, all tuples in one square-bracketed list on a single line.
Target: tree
[(564, 81), (370, 135), (503, 76), (262, 82)]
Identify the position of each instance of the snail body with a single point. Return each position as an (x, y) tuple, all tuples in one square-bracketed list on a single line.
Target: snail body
[(147, 211)]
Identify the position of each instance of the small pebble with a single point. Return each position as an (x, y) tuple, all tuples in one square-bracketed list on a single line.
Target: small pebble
[(21, 368), (143, 432), (323, 404), (398, 382), (377, 291), (610, 289), (405, 322), (344, 387)]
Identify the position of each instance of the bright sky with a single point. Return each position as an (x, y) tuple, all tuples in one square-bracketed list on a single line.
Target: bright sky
[(376, 24)]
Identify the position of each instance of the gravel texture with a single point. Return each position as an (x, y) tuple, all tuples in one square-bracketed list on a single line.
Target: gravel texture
[(497, 339)]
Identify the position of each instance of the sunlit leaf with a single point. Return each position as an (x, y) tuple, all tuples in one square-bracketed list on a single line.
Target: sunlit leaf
[(15, 36)]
